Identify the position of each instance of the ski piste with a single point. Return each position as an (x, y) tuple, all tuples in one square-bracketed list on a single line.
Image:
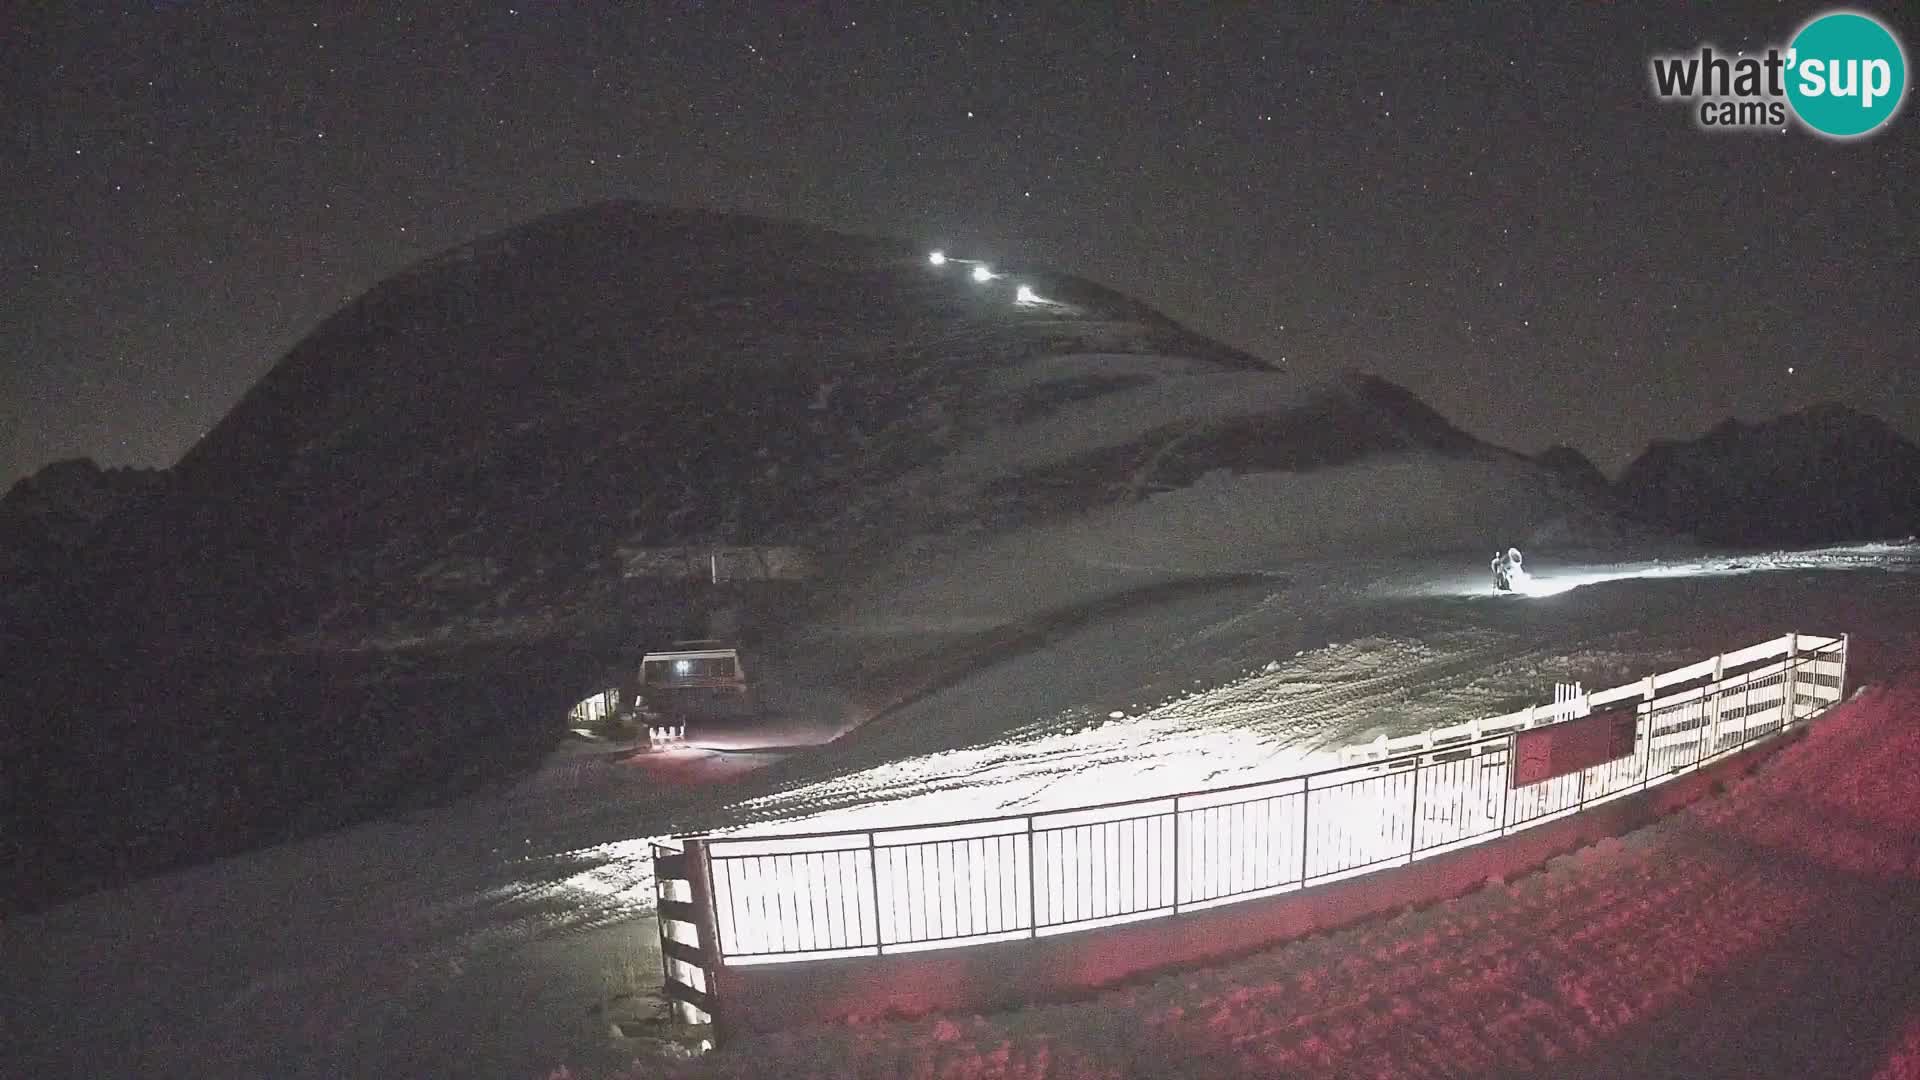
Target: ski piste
[(485, 933)]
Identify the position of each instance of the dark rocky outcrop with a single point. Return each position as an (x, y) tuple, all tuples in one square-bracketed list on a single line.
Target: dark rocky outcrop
[(1574, 467), (55, 511), (47, 519), (1827, 473)]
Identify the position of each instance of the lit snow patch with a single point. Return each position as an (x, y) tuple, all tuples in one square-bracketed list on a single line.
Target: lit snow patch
[(1024, 295), (1527, 585), (1146, 757), (1899, 558)]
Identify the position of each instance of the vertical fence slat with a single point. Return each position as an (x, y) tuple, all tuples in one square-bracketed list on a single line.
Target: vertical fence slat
[(1178, 870)]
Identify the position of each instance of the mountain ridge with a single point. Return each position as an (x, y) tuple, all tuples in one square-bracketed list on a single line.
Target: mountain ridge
[(1824, 473), (387, 572)]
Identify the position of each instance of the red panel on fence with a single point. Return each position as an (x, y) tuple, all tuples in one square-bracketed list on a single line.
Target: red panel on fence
[(1567, 747)]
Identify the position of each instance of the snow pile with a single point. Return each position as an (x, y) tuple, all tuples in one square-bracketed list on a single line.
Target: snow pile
[(1763, 934)]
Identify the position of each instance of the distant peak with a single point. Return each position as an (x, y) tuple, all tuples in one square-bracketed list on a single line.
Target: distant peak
[(1413, 415), (1833, 411)]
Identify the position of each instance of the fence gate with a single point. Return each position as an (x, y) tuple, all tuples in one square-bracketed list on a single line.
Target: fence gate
[(689, 952)]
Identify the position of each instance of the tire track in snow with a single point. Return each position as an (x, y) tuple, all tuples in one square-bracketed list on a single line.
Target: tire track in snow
[(1330, 708)]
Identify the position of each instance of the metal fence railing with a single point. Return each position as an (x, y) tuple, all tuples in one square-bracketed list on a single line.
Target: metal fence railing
[(871, 892)]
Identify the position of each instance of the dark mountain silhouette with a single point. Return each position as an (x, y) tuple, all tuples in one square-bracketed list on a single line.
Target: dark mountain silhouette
[(46, 520), (64, 502), (1574, 466), (1826, 473), (385, 575)]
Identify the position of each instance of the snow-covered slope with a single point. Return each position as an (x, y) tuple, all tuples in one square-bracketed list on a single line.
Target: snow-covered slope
[(506, 934), (392, 567)]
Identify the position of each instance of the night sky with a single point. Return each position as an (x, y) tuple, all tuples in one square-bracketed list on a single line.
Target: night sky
[(1487, 206)]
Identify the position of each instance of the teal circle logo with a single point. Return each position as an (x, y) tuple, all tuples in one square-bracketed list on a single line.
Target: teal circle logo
[(1846, 74)]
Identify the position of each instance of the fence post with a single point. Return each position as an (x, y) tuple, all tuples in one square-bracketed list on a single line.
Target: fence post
[(1033, 875), (1306, 838), (873, 894), (1746, 708), (700, 885), (1845, 641), (1700, 735), (1413, 813), (1506, 788), (1719, 676), (1176, 854), (1789, 707), (1647, 692)]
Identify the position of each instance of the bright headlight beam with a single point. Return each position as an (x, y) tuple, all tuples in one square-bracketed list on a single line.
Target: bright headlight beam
[(1024, 295), (938, 258), (1527, 585), (1547, 581), (981, 273)]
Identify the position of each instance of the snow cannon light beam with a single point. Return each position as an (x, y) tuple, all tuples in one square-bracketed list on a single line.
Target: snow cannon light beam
[(938, 257)]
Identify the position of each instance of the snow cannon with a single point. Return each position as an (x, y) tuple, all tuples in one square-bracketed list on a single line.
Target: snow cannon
[(1509, 575)]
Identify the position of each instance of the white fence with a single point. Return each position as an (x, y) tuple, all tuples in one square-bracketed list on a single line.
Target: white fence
[(1393, 801)]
